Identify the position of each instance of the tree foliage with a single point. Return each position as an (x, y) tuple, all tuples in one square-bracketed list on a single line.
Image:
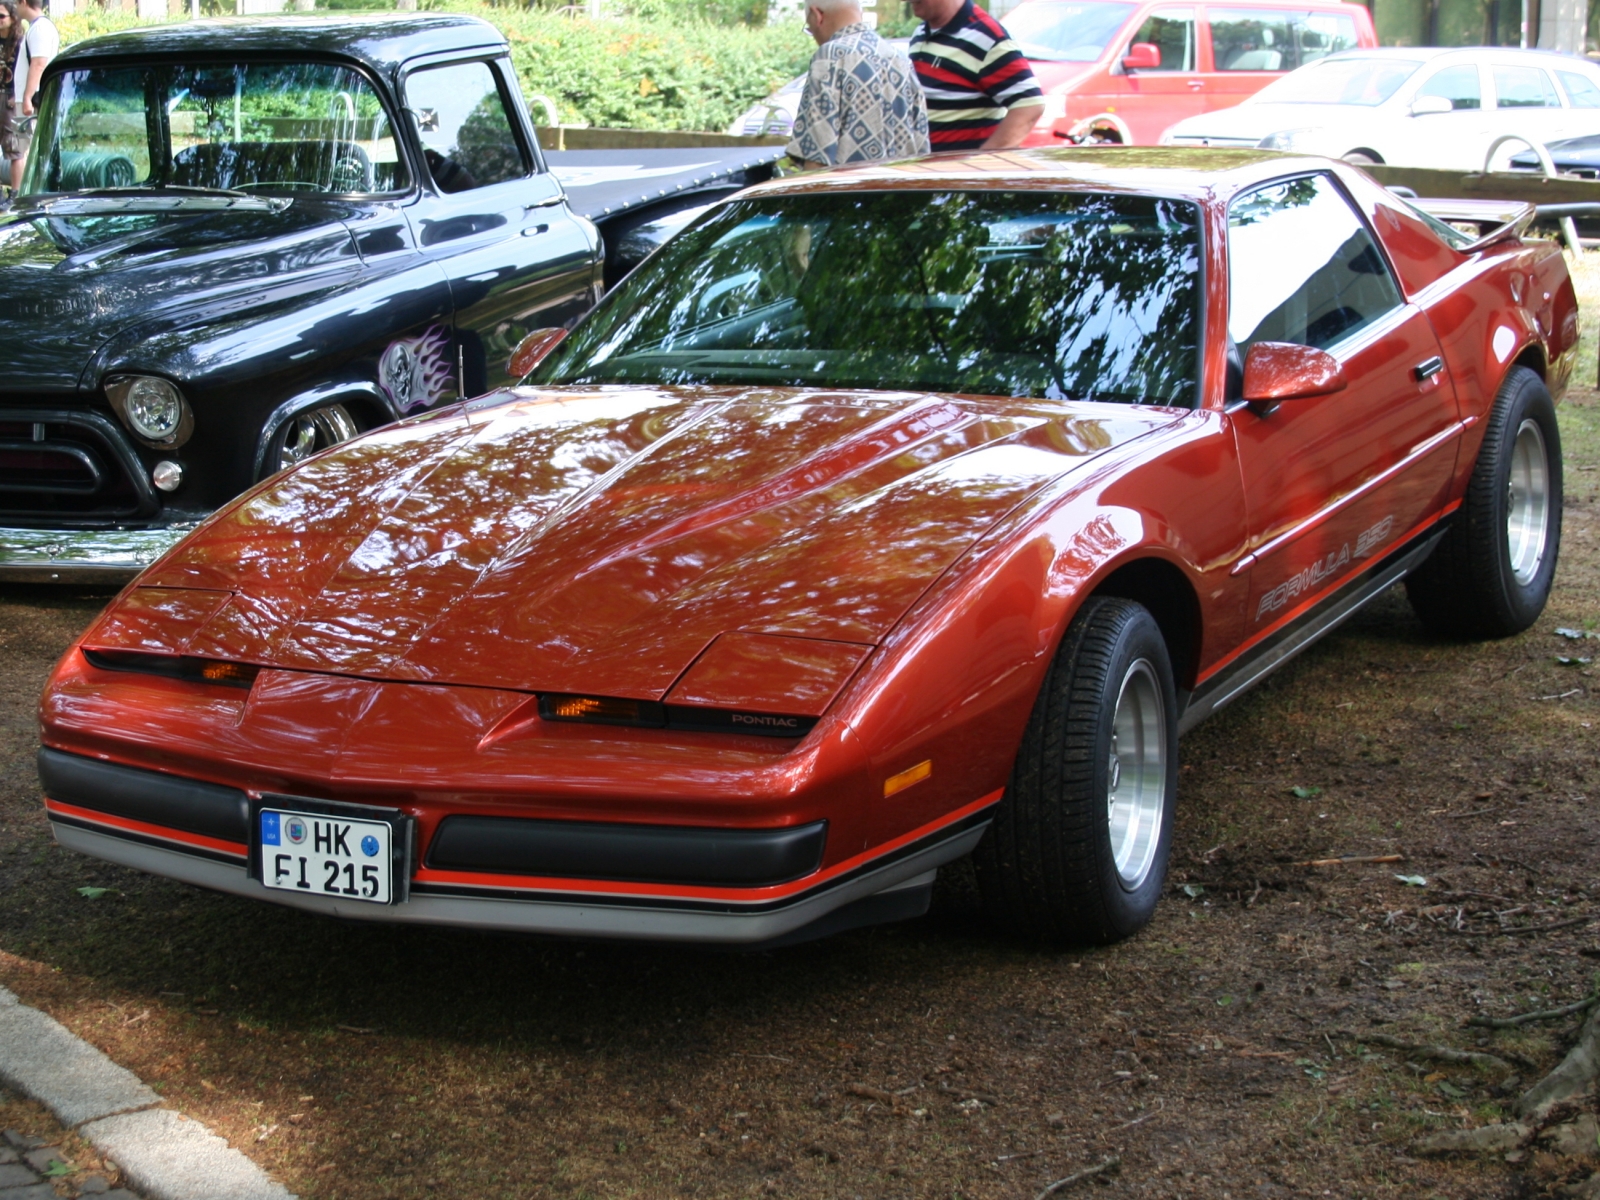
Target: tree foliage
[(670, 66)]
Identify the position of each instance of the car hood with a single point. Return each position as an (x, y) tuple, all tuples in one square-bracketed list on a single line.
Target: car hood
[(1256, 121), (598, 540), (72, 282)]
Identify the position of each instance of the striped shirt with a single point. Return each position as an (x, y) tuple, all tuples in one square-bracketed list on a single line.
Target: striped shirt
[(972, 74)]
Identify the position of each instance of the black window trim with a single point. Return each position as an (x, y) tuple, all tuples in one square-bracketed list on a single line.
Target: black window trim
[(1232, 404), (498, 60)]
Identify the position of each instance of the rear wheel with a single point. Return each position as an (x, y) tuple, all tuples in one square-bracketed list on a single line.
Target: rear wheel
[(1492, 573), (310, 433), (1078, 849)]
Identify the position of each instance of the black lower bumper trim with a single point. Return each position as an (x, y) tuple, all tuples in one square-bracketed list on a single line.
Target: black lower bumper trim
[(150, 796), (634, 853)]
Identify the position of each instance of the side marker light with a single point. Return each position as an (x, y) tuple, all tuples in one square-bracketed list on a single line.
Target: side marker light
[(910, 777)]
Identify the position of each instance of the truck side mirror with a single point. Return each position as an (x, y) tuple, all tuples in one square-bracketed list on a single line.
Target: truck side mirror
[(532, 350), (1429, 106), (1275, 371), (1142, 56)]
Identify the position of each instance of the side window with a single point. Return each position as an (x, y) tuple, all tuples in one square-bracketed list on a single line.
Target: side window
[(1170, 30), (466, 130), (1459, 85), (1250, 39), (1322, 34), (1302, 267), (1524, 87), (1581, 90)]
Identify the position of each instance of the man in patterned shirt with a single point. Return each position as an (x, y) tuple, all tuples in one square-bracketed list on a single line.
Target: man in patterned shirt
[(981, 91), (862, 101)]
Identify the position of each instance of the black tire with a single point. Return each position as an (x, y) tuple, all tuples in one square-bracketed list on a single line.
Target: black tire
[(1362, 158), (1491, 575), (1047, 868)]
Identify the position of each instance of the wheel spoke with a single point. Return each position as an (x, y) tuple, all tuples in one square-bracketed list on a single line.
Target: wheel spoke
[(1136, 777), (1527, 502)]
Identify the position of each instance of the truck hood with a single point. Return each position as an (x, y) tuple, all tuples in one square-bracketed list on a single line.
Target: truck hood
[(73, 282), (597, 540)]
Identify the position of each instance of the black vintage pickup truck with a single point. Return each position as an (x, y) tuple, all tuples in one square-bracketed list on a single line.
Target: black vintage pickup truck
[(240, 242)]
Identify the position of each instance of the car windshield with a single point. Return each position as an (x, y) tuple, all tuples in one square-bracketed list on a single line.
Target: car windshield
[(1053, 295), (1363, 81), (1052, 31), (213, 126)]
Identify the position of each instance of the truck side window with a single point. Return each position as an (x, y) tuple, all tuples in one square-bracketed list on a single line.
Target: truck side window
[(1170, 30), (467, 134), (1251, 39), (1302, 267), (1459, 85)]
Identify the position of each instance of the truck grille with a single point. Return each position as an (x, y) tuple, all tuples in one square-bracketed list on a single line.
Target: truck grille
[(69, 465)]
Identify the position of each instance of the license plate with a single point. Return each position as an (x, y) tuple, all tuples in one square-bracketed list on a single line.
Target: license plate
[(329, 853)]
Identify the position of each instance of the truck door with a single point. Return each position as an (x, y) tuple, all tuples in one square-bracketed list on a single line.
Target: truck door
[(492, 216)]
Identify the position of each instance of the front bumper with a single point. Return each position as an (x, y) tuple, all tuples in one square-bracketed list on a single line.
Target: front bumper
[(188, 830), (82, 555)]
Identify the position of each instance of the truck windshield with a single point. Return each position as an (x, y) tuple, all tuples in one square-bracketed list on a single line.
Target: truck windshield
[(1053, 31), (1364, 81), (1053, 295), (253, 127)]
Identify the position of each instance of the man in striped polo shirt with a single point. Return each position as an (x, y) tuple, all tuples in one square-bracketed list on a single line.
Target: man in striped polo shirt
[(981, 92)]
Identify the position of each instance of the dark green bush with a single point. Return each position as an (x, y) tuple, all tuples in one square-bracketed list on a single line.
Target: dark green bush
[(632, 73)]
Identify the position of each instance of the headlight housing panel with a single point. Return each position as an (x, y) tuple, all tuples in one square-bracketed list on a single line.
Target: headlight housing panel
[(152, 408)]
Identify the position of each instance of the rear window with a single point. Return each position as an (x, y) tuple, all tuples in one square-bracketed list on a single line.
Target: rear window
[(1581, 90)]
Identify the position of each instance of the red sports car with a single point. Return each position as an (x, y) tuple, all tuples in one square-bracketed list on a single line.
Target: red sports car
[(882, 517)]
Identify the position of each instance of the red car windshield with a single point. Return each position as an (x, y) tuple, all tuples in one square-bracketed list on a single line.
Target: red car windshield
[(1054, 295), (1052, 31)]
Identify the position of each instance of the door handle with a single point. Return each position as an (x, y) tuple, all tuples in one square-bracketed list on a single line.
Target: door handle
[(548, 202), (1197, 85), (1427, 368)]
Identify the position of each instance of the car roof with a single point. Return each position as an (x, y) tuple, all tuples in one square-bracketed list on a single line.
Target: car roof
[(1194, 173), (383, 41), (1475, 53)]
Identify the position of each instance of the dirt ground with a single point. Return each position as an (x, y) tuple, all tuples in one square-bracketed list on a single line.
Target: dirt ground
[(1234, 1049)]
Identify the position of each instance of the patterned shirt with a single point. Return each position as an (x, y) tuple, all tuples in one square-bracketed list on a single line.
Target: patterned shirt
[(861, 103), (973, 75)]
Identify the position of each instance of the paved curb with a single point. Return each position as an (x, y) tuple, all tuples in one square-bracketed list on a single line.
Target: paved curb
[(164, 1156)]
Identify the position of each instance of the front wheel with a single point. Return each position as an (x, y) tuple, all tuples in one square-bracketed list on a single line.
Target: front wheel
[(309, 433), (1078, 850), (1492, 573)]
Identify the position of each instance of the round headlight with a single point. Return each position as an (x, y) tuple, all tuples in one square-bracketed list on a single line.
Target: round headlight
[(154, 408)]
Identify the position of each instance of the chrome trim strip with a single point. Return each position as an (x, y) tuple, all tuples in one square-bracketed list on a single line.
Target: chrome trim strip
[(82, 555), (1227, 686), (1421, 449), (574, 918)]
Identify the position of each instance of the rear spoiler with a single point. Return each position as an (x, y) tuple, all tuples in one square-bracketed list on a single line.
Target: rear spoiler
[(1495, 220)]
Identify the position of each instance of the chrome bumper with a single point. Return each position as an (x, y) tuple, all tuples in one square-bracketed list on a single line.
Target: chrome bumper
[(82, 555)]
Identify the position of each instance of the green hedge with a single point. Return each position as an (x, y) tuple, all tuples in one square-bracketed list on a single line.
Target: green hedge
[(639, 74), (633, 73)]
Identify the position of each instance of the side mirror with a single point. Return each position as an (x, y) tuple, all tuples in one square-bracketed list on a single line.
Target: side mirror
[(1275, 371), (1431, 106), (532, 350), (1142, 56)]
